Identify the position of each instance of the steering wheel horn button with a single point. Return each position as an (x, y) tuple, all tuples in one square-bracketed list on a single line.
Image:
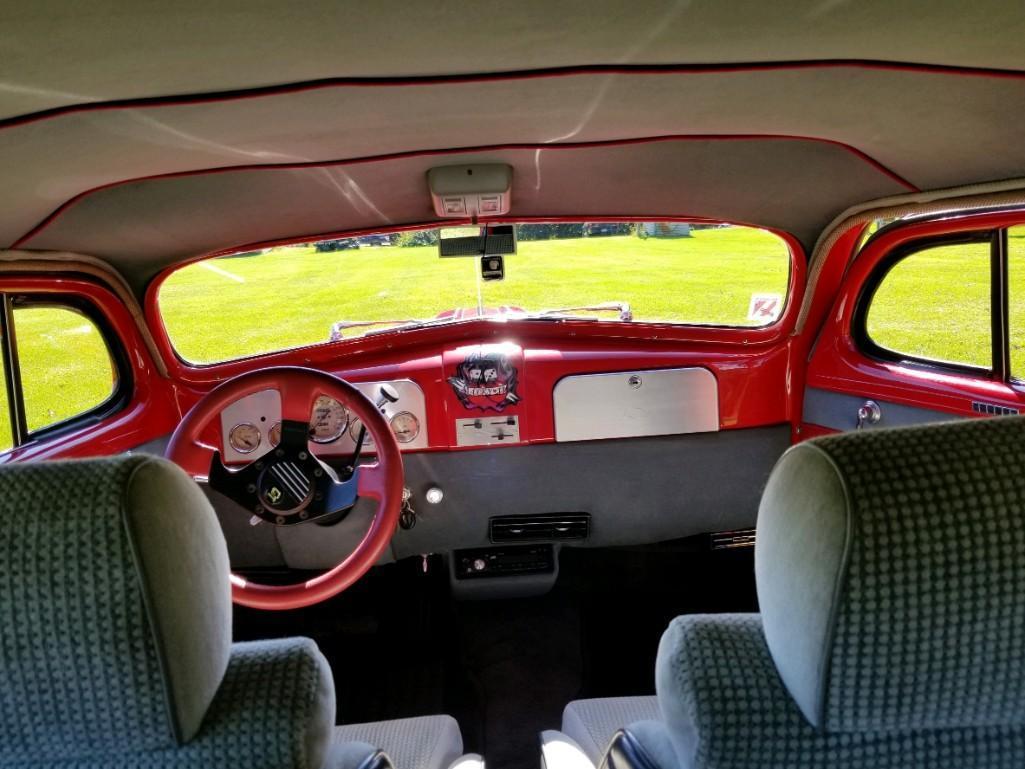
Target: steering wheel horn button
[(284, 488)]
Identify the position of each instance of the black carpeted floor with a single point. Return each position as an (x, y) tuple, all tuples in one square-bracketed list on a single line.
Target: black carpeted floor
[(524, 660), (399, 646)]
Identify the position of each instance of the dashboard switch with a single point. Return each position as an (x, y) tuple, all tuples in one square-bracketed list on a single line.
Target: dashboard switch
[(488, 431)]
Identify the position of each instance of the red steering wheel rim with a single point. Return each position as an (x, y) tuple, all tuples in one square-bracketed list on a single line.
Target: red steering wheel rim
[(382, 480)]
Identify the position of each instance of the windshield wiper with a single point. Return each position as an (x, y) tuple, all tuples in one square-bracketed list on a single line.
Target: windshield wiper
[(338, 328), (343, 325), (623, 308)]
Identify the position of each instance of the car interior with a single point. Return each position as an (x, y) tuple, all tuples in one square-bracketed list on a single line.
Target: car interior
[(547, 384)]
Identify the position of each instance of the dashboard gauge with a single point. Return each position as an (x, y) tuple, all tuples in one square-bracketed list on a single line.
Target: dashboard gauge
[(354, 427), (405, 426), (328, 420), (274, 436), (244, 438)]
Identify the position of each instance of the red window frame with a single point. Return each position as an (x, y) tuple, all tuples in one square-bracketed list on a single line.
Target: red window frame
[(321, 354)]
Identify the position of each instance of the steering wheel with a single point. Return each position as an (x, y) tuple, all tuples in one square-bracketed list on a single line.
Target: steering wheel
[(288, 485)]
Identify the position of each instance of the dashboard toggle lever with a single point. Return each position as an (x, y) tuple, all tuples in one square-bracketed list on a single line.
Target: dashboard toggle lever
[(388, 394)]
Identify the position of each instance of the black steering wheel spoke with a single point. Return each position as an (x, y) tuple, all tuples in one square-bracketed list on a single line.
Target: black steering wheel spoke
[(334, 496), (238, 485)]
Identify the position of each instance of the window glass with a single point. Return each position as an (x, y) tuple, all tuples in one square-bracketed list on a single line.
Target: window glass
[(1016, 299), (6, 436), (258, 302), (935, 305), (66, 368)]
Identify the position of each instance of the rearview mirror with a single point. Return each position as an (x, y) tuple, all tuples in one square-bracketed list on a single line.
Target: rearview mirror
[(486, 240)]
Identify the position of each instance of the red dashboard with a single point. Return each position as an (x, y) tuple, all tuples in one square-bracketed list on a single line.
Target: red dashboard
[(500, 393)]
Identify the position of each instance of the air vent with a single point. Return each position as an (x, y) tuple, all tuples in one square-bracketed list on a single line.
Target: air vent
[(993, 409), (727, 540), (532, 528)]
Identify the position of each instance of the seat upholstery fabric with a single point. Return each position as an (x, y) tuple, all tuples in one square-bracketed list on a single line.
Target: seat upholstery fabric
[(592, 723), (725, 707), (912, 612), (427, 742), (890, 568), (115, 631), (115, 639)]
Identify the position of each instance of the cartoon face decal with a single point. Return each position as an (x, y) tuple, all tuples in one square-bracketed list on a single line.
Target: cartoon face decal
[(485, 382)]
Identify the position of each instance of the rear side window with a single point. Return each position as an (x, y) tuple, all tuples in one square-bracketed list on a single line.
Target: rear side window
[(61, 365), (1016, 299), (934, 305)]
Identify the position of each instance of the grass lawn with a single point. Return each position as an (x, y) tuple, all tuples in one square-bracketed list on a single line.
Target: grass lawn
[(936, 305), (933, 305), (65, 368)]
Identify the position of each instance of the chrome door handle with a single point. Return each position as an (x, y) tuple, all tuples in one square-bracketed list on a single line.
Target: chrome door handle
[(868, 414)]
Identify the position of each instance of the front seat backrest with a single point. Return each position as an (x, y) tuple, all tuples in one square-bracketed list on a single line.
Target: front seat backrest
[(115, 631), (891, 575)]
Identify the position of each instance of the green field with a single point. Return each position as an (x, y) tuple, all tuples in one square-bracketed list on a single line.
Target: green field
[(935, 305), (65, 368)]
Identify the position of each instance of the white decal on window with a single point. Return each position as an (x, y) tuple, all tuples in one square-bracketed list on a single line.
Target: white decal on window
[(765, 308)]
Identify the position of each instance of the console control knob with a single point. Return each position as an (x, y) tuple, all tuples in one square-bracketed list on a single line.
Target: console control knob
[(480, 564), (434, 495)]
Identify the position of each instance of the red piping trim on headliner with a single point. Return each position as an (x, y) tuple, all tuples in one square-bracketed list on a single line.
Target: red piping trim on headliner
[(52, 216), (569, 71)]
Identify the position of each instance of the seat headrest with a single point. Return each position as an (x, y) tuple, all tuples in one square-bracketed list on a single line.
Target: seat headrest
[(115, 608), (891, 576)]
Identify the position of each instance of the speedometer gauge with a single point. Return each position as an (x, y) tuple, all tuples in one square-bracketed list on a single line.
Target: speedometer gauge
[(244, 438), (328, 420), (405, 426)]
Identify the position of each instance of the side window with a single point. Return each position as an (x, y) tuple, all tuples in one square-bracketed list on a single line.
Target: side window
[(1016, 299), (64, 367), (6, 433), (935, 305)]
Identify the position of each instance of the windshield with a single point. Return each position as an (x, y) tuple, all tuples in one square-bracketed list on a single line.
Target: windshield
[(257, 302)]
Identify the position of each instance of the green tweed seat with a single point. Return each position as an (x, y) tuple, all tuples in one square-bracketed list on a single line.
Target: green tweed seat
[(891, 579), (115, 639)]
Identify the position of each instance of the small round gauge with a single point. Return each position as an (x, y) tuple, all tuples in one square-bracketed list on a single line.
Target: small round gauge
[(328, 420), (405, 426), (244, 438), (274, 436), (354, 427)]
